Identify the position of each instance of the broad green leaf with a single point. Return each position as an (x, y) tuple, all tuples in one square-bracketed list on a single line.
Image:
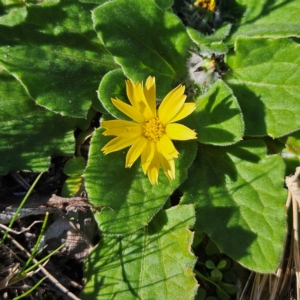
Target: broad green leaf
[(201, 38), (95, 1), (155, 262), (144, 40), (29, 134), (57, 56), (264, 18), (239, 196), (14, 17), (113, 85), (264, 76), (211, 43), (127, 198), (164, 4), (217, 118)]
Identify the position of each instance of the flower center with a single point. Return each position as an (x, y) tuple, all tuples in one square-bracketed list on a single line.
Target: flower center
[(206, 4), (154, 130)]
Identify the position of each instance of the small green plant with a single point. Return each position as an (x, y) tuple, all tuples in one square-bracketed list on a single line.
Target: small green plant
[(74, 168), (217, 274), (61, 63)]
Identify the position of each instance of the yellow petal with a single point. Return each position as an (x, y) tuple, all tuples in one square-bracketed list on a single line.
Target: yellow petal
[(171, 104), (153, 169), (128, 110), (180, 132), (168, 167), (186, 110), (116, 123), (150, 93), (166, 147), (147, 156), (131, 94), (144, 106), (135, 151), (136, 96), (134, 130), (117, 144)]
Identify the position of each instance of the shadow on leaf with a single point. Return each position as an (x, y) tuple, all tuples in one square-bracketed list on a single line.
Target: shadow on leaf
[(253, 109), (228, 206), (143, 262)]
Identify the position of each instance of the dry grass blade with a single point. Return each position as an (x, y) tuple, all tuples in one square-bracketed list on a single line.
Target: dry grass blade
[(64, 291), (241, 297), (258, 286), (12, 271), (280, 284), (19, 232), (274, 282), (293, 185)]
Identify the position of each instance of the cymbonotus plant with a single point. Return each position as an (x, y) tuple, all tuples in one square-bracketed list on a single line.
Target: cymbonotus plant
[(199, 123)]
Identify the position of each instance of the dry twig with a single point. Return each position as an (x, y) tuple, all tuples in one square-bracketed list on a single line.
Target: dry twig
[(59, 286)]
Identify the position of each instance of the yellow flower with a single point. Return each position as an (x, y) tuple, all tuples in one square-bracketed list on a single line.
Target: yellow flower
[(206, 4), (152, 129)]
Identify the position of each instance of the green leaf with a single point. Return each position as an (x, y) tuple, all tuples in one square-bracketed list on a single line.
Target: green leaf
[(216, 275), (155, 262), (94, 1), (265, 18), (73, 186), (292, 161), (130, 201), (201, 293), (144, 40), (291, 152), (222, 295), (29, 134), (228, 288), (164, 4), (210, 264), (75, 166), (211, 248), (57, 56), (240, 202), (201, 38), (264, 76), (217, 118), (211, 43), (14, 17), (292, 143), (84, 124), (222, 264), (230, 277), (113, 85), (198, 238)]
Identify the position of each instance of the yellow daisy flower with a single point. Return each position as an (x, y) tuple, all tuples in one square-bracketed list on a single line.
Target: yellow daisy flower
[(206, 4), (152, 129)]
